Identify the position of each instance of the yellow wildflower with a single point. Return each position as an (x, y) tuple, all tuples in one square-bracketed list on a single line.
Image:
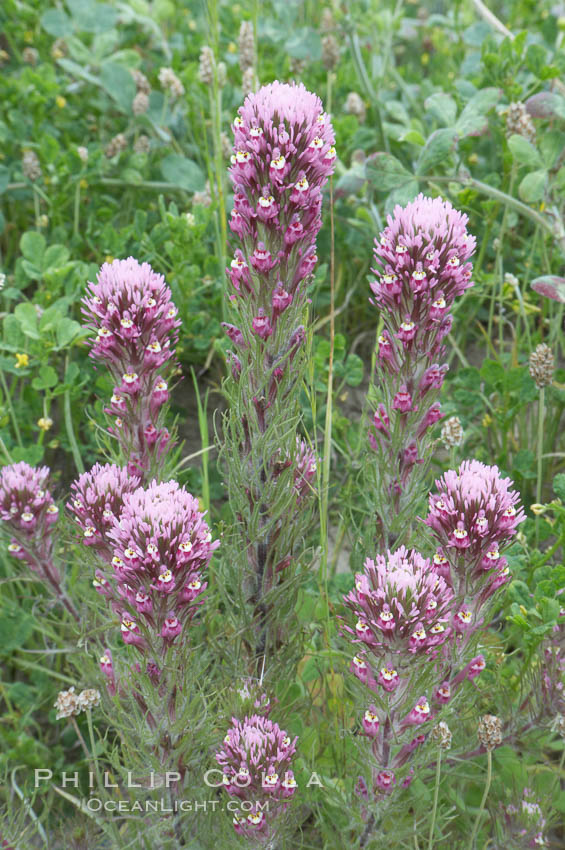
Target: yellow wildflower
[(487, 420), (45, 423), (60, 101), (22, 360)]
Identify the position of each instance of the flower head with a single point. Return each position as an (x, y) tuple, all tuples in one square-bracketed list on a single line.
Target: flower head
[(283, 156), (475, 509), (425, 249), (130, 310), (401, 608), (97, 499), (256, 758), (161, 544)]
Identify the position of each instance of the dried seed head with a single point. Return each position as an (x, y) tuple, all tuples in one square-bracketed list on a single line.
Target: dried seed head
[(67, 703), (141, 82), (30, 165), (249, 81), (441, 736), (327, 23), (542, 364), (203, 198), (246, 46), (355, 106), (206, 66), (452, 432), (58, 48), (142, 144), (30, 55), (330, 52), (170, 82), (297, 66), (222, 73), (490, 731), (88, 699), (519, 121), (140, 103), (116, 145)]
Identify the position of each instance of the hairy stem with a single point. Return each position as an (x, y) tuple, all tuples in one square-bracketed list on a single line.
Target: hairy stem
[(483, 801)]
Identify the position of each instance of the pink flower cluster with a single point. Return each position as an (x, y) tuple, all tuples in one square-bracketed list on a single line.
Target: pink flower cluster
[(283, 156), (415, 618), (29, 512), (97, 499), (473, 514), (136, 323), (402, 608), (153, 545), (256, 758), (422, 266)]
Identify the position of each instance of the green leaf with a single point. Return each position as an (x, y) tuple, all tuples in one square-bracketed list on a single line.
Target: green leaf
[(535, 58), (492, 372), (4, 178), (353, 370), (519, 592), (403, 195), (55, 256), (77, 70), (523, 151), (92, 17), (305, 44), (67, 331), (532, 188), (524, 463), (437, 149), (51, 317), (119, 84), (413, 137), (26, 314), (183, 172), (47, 378), (442, 107), (32, 246), (559, 486), (56, 22), (16, 625), (385, 172), (473, 121)]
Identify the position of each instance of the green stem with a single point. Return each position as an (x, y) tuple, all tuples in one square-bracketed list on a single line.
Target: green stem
[(483, 801), (436, 796), (205, 440), (76, 215), (11, 409), (36, 206), (541, 416), (69, 427)]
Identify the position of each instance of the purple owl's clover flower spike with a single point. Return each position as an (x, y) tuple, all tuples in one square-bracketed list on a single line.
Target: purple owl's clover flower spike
[(97, 500), (130, 310), (153, 546), (28, 513), (422, 266), (473, 515), (256, 759), (283, 156)]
